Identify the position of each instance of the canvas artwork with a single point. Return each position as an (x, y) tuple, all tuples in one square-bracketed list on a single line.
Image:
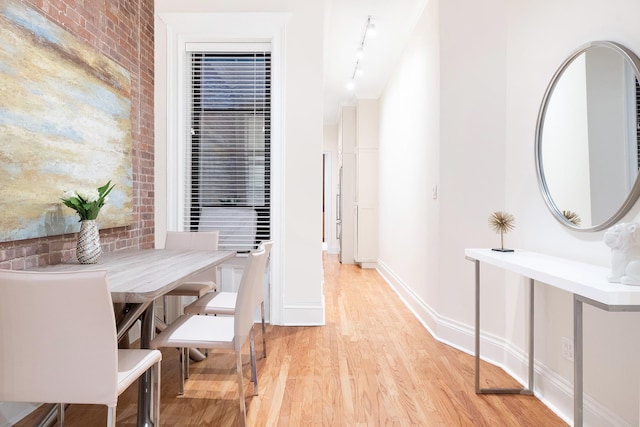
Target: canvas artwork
[(65, 124)]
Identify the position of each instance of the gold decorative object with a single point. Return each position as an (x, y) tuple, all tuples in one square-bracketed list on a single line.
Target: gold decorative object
[(502, 222), (572, 217)]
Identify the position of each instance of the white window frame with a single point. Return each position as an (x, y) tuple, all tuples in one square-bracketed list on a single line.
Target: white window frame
[(185, 28)]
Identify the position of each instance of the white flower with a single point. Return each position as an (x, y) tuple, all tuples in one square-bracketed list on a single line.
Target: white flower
[(89, 196), (69, 194), (87, 203)]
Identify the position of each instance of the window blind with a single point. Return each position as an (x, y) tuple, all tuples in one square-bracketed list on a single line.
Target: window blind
[(229, 147)]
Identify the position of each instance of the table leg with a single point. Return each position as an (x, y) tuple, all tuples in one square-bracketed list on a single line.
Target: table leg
[(529, 389), (144, 382), (128, 317), (531, 333), (577, 362), (477, 328), (49, 417)]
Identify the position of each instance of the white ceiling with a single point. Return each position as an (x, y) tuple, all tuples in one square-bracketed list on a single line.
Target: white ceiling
[(345, 24)]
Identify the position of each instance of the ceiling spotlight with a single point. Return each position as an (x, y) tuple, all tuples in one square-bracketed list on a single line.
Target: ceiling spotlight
[(351, 85), (359, 72), (359, 53), (371, 29)]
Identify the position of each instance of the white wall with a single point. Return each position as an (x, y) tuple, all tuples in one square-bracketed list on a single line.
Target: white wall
[(409, 147), (472, 152), (460, 111), (297, 297), (540, 36), (434, 134)]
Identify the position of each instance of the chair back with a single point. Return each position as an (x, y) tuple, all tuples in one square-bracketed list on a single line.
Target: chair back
[(258, 295), (198, 241), (252, 278), (267, 244), (57, 338)]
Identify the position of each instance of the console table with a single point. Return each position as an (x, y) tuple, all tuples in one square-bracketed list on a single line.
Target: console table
[(587, 283)]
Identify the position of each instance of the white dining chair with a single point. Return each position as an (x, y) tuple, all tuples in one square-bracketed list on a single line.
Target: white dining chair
[(58, 342), (221, 332), (197, 285), (201, 283), (223, 303)]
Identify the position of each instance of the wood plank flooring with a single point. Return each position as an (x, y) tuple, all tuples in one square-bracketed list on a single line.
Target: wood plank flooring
[(372, 364)]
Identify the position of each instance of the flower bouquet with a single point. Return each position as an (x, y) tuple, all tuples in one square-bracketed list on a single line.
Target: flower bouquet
[(87, 203)]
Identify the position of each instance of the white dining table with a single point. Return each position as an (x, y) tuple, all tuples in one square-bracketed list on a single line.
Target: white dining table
[(142, 275), (137, 277)]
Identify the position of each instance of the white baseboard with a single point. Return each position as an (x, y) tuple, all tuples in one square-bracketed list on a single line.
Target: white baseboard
[(303, 314), (366, 264), (552, 389)]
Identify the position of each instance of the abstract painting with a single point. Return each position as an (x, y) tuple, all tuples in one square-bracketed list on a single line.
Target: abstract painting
[(65, 124)]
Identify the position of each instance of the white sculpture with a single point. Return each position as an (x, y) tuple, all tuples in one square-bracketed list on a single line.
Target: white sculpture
[(624, 241)]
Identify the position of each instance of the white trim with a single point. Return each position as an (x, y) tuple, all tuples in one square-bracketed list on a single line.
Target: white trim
[(304, 314), (186, 28), (175, 153), (278, 142), (549, 387), (228, 47)]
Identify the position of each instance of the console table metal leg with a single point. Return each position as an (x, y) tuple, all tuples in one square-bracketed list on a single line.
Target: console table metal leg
[(578, 349), (477, 331), (531, 336), (577, 362), (479, 390)]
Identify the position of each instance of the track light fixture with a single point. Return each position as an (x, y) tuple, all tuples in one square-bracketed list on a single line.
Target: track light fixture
[(370, 31)]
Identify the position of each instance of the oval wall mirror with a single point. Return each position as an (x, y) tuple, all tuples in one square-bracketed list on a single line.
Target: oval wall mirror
[(587, 137)]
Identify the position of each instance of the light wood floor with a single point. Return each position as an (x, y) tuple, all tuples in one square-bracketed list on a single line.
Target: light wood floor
[(372, 364)]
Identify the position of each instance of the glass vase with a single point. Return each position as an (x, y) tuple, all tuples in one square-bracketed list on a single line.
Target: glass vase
[(88, 250)]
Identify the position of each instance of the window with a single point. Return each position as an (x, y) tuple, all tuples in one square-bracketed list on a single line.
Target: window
[(228, 171)]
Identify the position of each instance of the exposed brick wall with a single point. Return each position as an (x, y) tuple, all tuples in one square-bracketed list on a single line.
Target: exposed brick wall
[(123, 31)]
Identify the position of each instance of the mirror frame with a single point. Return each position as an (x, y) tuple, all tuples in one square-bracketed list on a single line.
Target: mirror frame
[(632, 60)]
